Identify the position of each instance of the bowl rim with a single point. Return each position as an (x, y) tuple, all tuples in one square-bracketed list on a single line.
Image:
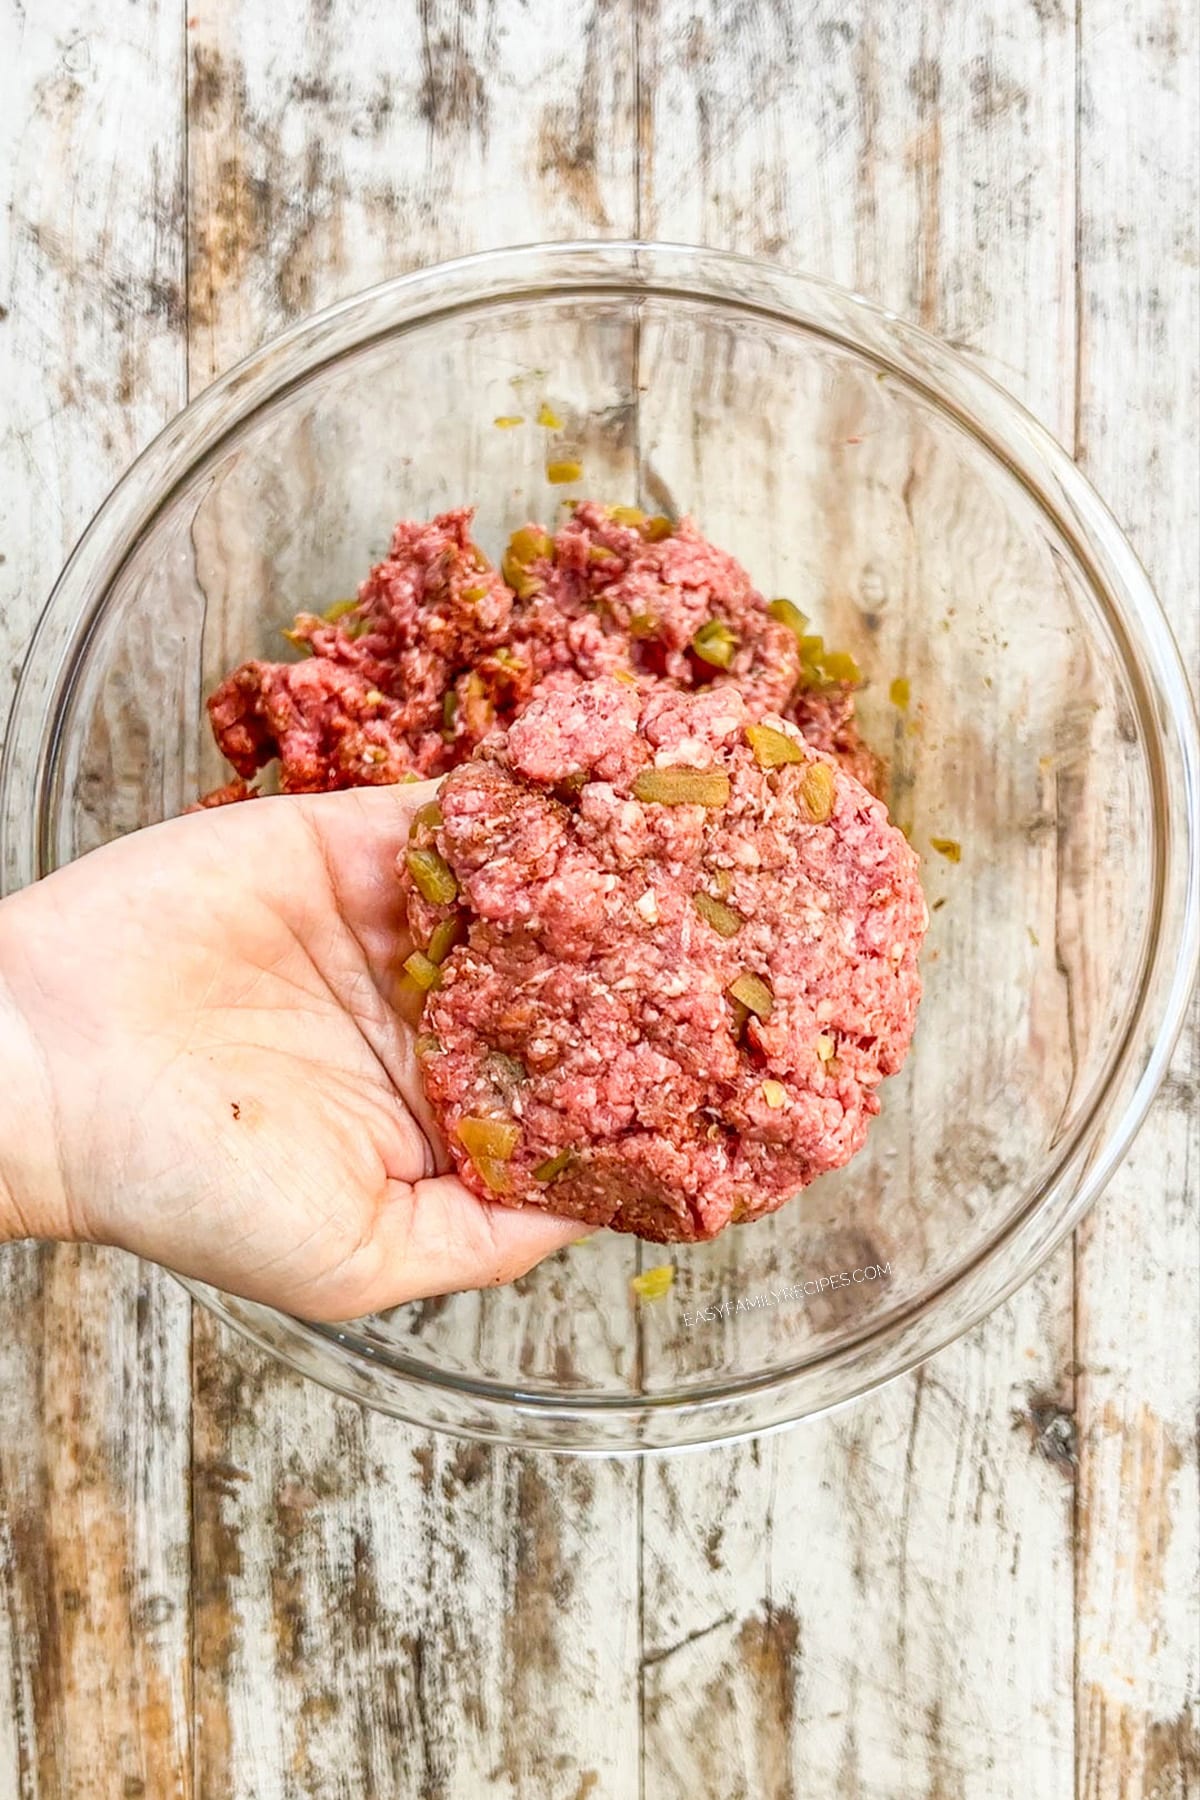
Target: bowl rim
[(995, 419)]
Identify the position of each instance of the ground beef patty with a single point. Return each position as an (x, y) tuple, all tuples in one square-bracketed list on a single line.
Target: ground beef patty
[(671, 952), (439, 648)]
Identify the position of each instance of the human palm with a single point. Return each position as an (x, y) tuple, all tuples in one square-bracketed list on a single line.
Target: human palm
[(231, 1090)]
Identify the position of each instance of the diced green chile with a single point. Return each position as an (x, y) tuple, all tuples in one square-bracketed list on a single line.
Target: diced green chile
[(553, 1165), (494, 1172), (495, 1138), (715, 644), (679, 786), (723, 919), (752, 992), (447, 934), (772, 748), (427, 818), (817, 790), (789, 614), (338, 610), (432, 877), (425, 973), (839, 665)]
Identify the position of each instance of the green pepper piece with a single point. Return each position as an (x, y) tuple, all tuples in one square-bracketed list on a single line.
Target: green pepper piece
[(494, 1173), (839, 665), (446, 936), (714, 643), (525, 547), (652, 1284), (425, 973), (426, 819), (817, 790), (432, 877), (771, 747), (789, 614), (752, 991), (338, 610), (680, 786), (553, 1165), (495, 1138), (723, 919)]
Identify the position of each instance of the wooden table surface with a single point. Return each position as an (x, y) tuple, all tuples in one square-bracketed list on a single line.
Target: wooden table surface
[(218, 1581)]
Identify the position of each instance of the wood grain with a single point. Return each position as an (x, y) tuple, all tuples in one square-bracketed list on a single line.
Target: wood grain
[(883, 1597), (980, 1582), (380, 1612), (1137, 1551), (94, 1395)]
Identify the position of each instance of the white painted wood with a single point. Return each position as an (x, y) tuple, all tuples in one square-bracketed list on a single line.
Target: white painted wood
[(1137, 1552), (921, 1596), (388, 1614), (94, 1394), (880, 1603)]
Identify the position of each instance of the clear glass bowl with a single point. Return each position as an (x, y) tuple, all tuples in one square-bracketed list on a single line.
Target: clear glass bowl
[(928, 525)]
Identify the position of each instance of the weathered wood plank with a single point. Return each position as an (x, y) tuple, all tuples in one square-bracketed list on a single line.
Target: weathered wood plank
[(1138, 1547), (878, 1604), (379, 1611), (323, 159), (94, 1389), (884, 1596)]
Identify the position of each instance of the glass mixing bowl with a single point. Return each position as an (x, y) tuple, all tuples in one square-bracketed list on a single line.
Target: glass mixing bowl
[(925, 523)]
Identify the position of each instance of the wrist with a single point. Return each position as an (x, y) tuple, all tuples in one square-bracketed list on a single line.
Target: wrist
[(32, 1198)]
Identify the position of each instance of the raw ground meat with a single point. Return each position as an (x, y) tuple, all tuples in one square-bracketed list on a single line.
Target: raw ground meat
[(827, 722), (229, 795), (440, 648), (582, 1049), (652, 594), (369, 706)]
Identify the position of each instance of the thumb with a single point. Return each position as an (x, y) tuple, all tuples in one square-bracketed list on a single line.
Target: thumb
[(435, 1237)]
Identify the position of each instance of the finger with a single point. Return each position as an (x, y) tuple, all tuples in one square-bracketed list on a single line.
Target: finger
[(375, 815), (435, 1237), (362, 832)]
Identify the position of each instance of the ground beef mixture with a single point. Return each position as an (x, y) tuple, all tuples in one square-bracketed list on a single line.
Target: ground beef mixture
[(668, 949), (388, 674), (440, 648), (229, 795)]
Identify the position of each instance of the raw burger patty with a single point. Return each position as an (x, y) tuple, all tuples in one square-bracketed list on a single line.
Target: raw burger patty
[(690, 957)]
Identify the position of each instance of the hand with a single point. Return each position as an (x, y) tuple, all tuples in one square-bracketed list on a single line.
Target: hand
[(200, 1062)]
